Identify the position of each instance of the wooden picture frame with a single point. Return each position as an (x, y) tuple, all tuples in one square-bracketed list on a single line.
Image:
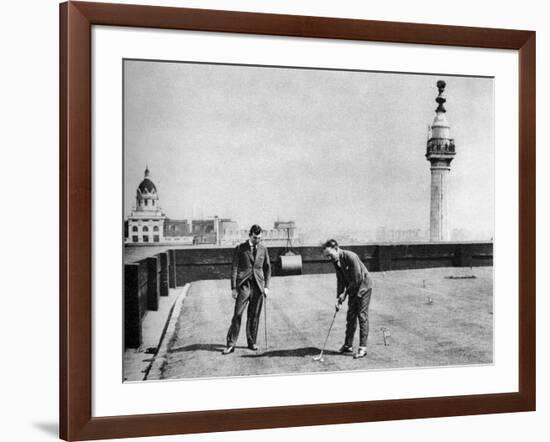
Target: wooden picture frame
[(76, 21)]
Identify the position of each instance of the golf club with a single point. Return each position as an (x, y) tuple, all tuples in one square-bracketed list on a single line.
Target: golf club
[(320, 357), (265, 320)]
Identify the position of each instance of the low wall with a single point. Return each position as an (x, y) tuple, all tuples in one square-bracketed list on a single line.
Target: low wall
[(196, 264), (145, 281)]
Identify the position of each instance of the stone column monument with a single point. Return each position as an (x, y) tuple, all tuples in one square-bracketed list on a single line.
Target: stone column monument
[(440, 152)]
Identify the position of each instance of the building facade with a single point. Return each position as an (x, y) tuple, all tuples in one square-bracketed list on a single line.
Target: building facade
[(147, 224), (279, 236)]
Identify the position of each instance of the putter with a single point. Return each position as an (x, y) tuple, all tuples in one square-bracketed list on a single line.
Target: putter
[(265, 321), (320, 357)]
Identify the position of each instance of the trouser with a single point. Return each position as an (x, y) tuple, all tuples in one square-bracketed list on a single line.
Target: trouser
[(248, 294), (358, 311)]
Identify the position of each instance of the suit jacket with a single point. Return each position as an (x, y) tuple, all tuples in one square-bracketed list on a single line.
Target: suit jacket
[(352, 275), (244, 266)]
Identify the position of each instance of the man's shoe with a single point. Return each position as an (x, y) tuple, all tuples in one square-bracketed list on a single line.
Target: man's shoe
[(253, 347), (346, 349), (227, 350), (361, 353)]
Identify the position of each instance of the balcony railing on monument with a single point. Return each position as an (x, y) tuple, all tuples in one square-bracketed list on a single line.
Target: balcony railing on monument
[(440, 145)]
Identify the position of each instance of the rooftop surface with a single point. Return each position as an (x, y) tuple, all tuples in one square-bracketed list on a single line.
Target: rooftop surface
[(435, 317)]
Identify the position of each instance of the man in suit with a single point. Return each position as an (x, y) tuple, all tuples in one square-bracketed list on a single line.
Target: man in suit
[(353, 281), (250, 275)]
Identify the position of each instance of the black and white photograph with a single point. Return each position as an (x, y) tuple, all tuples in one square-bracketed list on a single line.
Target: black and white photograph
[(284, 220)]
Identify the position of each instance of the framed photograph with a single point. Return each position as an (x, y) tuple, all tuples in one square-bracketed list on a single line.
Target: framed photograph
[(274, 220)]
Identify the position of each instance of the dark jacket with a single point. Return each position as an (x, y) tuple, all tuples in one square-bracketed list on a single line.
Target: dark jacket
[(352, 275), (244, 266)]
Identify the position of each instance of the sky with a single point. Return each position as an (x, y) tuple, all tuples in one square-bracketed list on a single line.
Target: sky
[(332, 150)]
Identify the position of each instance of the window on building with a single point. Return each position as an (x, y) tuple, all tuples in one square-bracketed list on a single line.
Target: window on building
[(134, 229), (156, 229), (156, 238), (135, 238), (145, 238), (145, 228)]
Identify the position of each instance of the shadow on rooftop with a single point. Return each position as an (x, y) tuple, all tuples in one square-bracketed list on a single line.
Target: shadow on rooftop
[(292, 353), (217, 348)]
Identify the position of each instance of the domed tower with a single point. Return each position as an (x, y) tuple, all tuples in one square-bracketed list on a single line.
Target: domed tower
[(440, 152), (146, 195), (146, 222)]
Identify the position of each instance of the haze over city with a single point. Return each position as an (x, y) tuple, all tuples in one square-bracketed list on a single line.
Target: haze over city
[(335, 151)]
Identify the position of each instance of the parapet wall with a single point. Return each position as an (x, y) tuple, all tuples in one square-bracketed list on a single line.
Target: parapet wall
[(195, 264)]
